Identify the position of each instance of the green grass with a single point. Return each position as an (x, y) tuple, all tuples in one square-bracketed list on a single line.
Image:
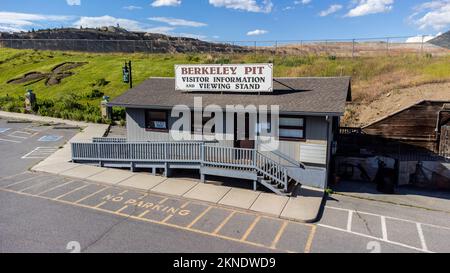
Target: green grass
[(372, 76)]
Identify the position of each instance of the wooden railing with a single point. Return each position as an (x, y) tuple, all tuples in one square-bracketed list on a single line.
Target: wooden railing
[(271, 169), (108, 139), (187, 152), (138, 151), (228, 156)]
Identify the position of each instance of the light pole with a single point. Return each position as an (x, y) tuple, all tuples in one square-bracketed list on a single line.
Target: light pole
[(127, 73)]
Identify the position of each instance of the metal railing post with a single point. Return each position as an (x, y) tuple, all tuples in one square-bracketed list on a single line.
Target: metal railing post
[(353, 48), (98, 155)]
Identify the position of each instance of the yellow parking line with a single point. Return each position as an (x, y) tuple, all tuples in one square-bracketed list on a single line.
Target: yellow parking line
[(122, 209), (198, 217), (37, 184), (122, 193), (12, 176), (310, 239), (21, 181), (162, 201), (250, 228), (145, 220), (55, 187), (72, 191), (279, 234), (99, 205), (90, 195), (143, 196), (143, 214), (167, 218), (185, 205), (224, 222)]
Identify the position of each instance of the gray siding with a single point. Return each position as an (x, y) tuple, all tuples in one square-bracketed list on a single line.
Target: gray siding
[(312, 150)]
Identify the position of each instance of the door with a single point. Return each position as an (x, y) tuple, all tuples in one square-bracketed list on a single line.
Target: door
[(245, 143)]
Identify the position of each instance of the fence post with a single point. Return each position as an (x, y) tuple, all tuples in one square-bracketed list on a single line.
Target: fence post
[(100, 164), (276, 47), (421, 45), (387, 46), (353, 48)]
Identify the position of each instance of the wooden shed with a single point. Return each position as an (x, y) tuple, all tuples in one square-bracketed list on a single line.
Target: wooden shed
[(418, 125)]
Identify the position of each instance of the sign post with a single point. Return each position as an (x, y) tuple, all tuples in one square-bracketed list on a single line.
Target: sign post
[(245, 78)]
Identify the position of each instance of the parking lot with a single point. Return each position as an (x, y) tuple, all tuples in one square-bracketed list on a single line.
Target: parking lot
[(22, 145), (340, 229), (202, 218), (44, 212)]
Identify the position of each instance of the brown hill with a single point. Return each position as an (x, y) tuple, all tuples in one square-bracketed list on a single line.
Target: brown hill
[(109, 39)]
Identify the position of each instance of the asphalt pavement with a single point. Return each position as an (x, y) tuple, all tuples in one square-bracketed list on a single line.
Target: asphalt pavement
[(50, 213)]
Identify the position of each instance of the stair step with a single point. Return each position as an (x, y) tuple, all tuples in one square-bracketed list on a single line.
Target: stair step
[(272, 188)]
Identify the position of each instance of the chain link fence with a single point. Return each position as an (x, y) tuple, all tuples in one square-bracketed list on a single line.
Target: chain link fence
[(385, 46)]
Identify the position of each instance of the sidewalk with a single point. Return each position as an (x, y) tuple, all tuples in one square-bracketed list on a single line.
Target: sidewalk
[(406, 196), (303, 208)]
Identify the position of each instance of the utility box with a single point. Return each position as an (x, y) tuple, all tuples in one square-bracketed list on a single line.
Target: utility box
[(30, 100), (105, 110)]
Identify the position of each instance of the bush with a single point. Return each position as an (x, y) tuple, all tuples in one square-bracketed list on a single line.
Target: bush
[(95, 94), (193, 58), (100, 82)]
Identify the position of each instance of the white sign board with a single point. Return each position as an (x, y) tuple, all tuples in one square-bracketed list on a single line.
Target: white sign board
[(224, 78)]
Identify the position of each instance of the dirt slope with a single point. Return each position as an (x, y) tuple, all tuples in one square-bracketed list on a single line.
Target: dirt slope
[(394, 101)]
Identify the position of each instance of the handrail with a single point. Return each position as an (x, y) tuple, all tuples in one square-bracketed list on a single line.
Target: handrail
[(192, 152), (108, 139), (272, 169), (287, 158)]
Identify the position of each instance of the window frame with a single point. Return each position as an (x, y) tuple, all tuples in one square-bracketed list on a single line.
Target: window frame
[(302, 128), (204, 121), (147, 120)]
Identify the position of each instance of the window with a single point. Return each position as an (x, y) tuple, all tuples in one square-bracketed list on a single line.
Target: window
[(196, 130), (156, 120), (292, 128)]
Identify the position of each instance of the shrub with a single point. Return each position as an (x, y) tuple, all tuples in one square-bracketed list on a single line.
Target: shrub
[(100, 82), (95, 94)]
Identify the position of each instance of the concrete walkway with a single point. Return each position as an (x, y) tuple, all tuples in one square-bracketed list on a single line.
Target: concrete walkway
[(303, 208)]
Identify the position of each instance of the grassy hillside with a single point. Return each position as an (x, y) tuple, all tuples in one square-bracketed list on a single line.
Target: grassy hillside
[(74, 96)]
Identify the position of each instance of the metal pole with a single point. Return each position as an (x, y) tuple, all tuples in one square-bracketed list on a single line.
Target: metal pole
[(421, 45), (131, 74), (387, 46), (353, 48)]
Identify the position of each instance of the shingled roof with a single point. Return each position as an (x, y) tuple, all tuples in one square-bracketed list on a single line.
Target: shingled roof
[(320, 96)]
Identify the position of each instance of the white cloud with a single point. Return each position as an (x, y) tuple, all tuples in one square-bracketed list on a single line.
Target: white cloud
[(166, 3), (418, 38), (433, 14), (107, 20), (365, 7), (191, 35), (264, 6), (73, 2), (257, 32), (332, 9), (132, 7), (177, 22), (15, 21), (163, 30), (303, 2)]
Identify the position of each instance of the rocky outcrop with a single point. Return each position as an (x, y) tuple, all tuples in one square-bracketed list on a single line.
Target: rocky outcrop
[(110, 39), (442, 40)]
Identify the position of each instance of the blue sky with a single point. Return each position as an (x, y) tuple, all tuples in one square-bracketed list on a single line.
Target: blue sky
[(227, 20)]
